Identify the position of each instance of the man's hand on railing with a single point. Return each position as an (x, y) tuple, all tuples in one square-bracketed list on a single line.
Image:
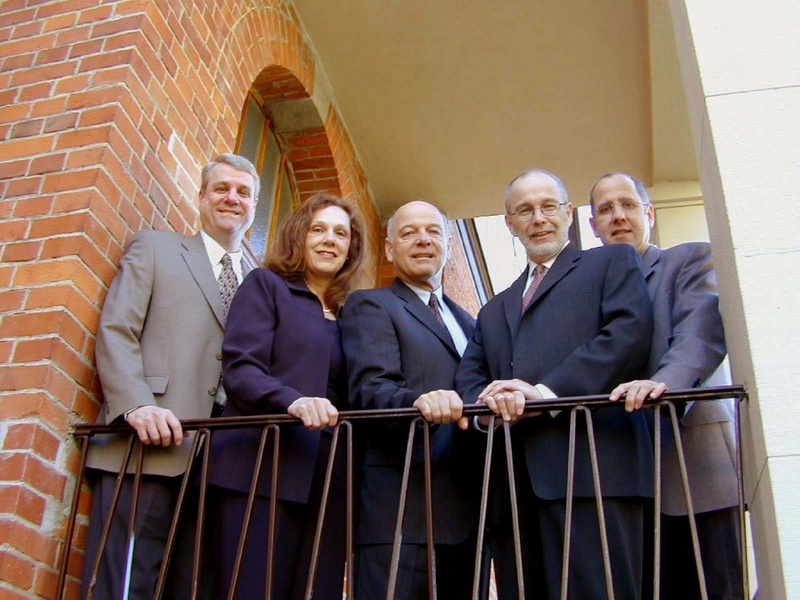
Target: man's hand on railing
[(156, 425), (441, 407), (506, 398), (315, 413), (636, 392)]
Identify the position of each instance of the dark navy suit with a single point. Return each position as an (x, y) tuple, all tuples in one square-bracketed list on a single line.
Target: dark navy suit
[(277, 348), (587, 328), (396, 351)]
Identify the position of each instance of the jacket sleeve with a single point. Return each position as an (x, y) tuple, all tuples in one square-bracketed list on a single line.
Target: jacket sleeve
[(373, 355), (697, 343), (473, 375), (118, 351), (247, 349), (620, 348)]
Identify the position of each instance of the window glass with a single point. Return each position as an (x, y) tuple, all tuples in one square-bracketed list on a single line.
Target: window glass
[(286, 201), (276, 199), (262, 224), (252, 130)]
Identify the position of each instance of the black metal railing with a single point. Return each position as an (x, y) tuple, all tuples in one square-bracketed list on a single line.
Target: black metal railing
[(344, 434)]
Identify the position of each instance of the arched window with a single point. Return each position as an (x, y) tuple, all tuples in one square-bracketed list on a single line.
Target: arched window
[(258, 142)]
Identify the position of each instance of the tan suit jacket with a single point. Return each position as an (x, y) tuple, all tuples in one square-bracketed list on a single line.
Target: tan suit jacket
[(688, 347), (159, 342)]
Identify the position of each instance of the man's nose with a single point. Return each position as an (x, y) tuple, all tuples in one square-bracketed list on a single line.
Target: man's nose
[(616, 211), (538, 215)]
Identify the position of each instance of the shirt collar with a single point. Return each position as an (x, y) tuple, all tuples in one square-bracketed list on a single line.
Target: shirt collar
[(425, 295), (215, 252), (548, 263)]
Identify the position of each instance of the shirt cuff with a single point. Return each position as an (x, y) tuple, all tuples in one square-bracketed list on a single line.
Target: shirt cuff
[(547, 394), (127, 412)]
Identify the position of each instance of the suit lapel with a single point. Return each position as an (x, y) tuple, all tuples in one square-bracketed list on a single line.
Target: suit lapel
[(196, 259), (566, 261), (422, 313), (650, 258), (512, 303)]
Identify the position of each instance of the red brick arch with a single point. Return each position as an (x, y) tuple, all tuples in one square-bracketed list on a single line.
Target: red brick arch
[(109, 112)]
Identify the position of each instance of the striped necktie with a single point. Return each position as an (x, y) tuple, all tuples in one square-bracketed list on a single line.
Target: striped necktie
[(538, 275)]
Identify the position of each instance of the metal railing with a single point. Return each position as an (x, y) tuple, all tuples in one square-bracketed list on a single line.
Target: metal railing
[(343, 434)]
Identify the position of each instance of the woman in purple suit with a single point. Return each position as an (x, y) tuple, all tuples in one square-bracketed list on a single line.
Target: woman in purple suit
[(282, 354)]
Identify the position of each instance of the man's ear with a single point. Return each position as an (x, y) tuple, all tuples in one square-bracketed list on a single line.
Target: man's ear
[(594, 229), (510, 225), (569, 210), (387, 249)]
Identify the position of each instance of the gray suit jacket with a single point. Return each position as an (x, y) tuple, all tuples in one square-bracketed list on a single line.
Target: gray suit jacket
[(159, 342), (687, 351)]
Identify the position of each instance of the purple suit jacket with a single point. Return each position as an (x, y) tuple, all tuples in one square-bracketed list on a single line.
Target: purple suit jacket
[(276, 349)]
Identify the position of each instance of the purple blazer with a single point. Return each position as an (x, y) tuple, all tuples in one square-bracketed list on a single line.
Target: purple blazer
[(276, 349)]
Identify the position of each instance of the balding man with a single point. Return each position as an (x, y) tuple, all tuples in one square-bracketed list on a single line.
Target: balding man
[(403, 344), (687, 351)]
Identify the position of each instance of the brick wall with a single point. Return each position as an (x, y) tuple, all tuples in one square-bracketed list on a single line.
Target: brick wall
[(109, 110)]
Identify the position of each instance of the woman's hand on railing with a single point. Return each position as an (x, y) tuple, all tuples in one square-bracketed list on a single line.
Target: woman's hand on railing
[(636, 392), (441, 407), (315, 413)]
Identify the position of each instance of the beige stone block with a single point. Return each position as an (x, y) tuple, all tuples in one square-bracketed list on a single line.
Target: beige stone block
[(766, 540), (756, 137), (776, 529), (743, 45)]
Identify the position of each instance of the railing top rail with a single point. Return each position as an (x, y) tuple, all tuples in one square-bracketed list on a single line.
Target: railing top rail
[(736, 392)]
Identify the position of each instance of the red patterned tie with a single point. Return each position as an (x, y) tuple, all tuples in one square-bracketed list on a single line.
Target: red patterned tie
[(538, 275), (433, 304)]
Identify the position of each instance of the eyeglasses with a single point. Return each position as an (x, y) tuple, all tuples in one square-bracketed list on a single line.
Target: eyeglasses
[(548, 209), (628, 205)]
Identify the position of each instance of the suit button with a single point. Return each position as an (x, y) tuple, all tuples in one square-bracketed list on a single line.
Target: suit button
[(212, 391), (219, 355)]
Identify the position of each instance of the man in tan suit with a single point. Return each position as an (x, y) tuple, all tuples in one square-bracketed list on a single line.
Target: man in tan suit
[(687, 351), (158, 359)]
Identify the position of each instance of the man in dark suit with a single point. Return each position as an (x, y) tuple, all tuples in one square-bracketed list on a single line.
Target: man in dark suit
[(687, 351), (403, 344), (158, 359), (585, 326)]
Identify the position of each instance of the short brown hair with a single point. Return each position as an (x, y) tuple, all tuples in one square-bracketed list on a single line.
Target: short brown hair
[(240, 163), (287, 258)]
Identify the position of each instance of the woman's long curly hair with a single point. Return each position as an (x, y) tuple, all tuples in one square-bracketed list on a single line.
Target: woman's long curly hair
[(287, 258)]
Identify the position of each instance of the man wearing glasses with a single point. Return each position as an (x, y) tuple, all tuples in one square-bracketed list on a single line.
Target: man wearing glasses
[(687, 351), (576, 323)]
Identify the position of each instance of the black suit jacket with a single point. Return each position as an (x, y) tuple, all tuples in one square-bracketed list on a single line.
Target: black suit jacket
[(276, 349), (397, 351), (588, 328)]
